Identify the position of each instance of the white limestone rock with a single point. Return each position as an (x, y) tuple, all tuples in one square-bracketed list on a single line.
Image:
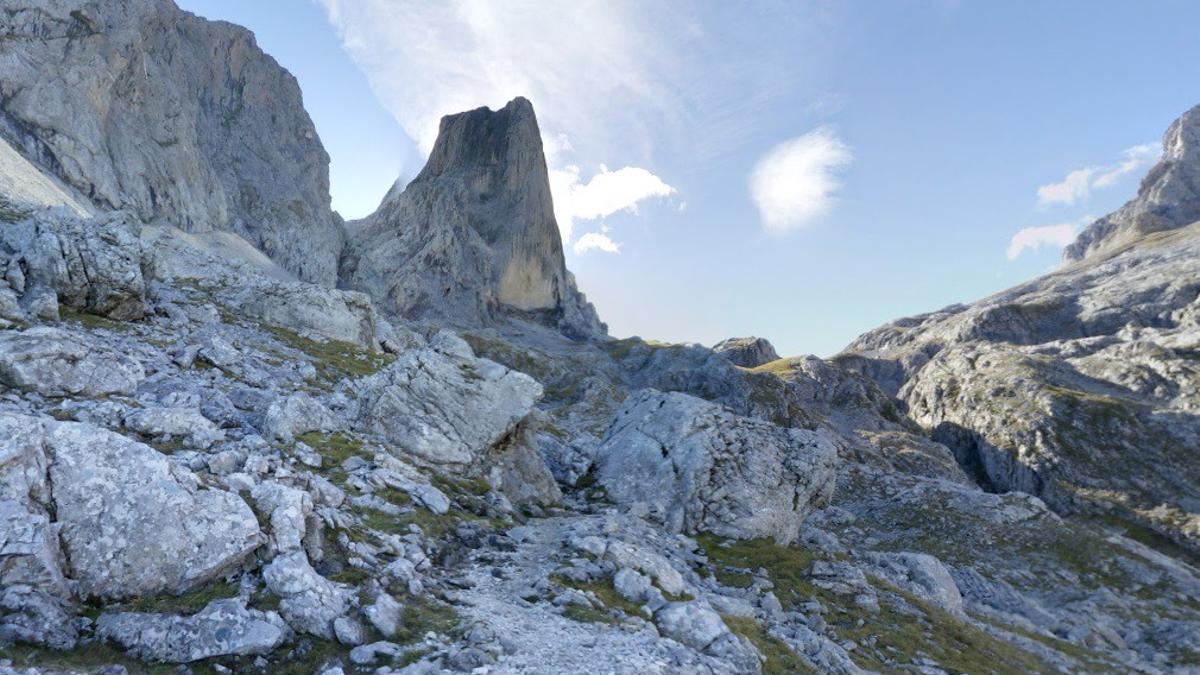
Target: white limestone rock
[(308, 601), (56, 363), (130, 522), (441, 405), (92, 265), (694, 466), (296, 414), (222, 628)]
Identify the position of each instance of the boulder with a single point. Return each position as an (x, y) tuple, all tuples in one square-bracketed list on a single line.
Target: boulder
[(56, 363), (296, 414), (747, 352), (443, 406), (695, 466), (308, 601), (130, 522), (222, 628), (183, 423)]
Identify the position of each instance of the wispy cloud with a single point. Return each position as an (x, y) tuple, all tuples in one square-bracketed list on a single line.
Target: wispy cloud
[(605, 194), (1079, 184), (596, 241), (1034, 238), (796, 182)]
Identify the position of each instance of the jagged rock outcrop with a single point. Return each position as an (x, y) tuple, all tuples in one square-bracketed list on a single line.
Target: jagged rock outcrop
[(140, 106), (696, 467), (1080, 386), (443, 406), (473, 235), (747, 352), (90, 265), (1168, 197)]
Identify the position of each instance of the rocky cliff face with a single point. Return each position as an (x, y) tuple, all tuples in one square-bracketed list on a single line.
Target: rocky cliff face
[(143, 107), (1168, 198), (1082, 386), (473, 236)]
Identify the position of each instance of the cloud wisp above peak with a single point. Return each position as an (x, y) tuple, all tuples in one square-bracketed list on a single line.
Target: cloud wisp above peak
[(796, 182), (606, 193), (1078, 185), (596, 241), (1058, 235)]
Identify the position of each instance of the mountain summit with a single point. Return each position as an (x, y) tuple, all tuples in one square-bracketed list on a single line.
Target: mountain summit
[(473, 236), (1168, 197)]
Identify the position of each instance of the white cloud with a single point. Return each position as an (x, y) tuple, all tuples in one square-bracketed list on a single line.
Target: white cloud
[(1079, 184), (796, 181), (1034, 238), (605, 194), (598, 241), (580, 63)]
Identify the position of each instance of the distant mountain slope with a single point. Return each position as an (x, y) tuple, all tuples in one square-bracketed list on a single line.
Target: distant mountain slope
[(1082, 386)]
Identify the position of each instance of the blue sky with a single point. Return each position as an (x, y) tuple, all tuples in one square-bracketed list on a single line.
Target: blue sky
[(800, 171)]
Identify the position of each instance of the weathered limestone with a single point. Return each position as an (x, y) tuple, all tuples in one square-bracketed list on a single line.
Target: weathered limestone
[(474, 234), (697, 467)]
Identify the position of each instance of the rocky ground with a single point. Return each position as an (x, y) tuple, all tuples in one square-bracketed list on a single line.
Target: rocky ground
[(212, 460)]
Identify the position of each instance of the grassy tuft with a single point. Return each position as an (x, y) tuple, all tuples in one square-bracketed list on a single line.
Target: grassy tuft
[(778, 659)]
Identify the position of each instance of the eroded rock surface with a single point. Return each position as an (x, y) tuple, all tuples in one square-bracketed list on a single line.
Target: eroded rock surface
[(697, 467)]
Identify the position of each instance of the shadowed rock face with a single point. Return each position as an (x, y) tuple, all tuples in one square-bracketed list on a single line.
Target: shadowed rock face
[(1168, 198), (140, 106), (473, 235)]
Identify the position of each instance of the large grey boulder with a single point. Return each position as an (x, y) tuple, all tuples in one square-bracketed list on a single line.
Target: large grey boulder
[(129, 521), (442, 405), (698, 467), (54, 362), (474, 234), (222, 628), (141, 106), (747, 352), (308, 601)]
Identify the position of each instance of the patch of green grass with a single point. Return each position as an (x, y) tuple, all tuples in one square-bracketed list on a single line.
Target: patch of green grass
[(85, 658), (94, 321), (334, 360), (334, 449), (904, 629), (778, 658), (187, 603), (422, 615), (735, 561), (350, 575), (584, 614), (606, 594), (310, 656)]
